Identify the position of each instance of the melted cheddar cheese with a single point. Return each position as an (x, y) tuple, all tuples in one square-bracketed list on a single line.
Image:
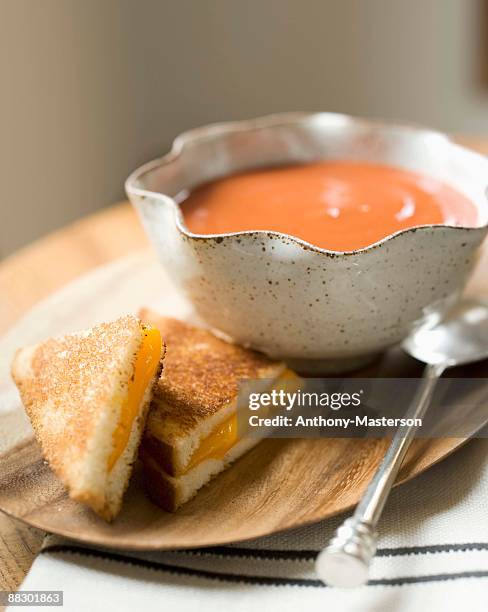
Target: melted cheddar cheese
[(146, 364), (219, 442)]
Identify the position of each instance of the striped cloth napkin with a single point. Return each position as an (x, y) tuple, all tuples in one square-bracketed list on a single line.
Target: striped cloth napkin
[(433, 555)]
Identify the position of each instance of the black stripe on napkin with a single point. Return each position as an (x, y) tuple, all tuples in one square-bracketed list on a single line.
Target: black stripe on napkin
[(309, 555), (432, 548), (245, 579)]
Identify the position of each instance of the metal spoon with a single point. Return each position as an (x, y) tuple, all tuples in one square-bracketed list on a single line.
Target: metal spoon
[(460, 338)]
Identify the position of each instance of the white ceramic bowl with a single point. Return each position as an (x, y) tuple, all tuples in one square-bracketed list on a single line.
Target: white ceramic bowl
[(320, 310)]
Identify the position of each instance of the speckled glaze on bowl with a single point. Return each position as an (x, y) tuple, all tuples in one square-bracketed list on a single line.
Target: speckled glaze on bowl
[(319, 310)]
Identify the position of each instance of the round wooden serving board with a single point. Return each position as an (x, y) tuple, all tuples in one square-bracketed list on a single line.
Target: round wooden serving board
[(280, 484)]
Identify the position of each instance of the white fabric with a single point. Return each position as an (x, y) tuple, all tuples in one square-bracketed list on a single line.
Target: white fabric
[(433, 555)]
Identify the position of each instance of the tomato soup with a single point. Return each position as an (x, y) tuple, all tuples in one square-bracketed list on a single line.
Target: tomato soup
[(341, 206)]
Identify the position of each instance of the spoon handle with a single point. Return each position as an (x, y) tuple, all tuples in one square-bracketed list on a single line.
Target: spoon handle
[(345, 562)]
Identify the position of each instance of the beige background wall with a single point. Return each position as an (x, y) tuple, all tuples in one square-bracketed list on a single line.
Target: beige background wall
[(92, 88)]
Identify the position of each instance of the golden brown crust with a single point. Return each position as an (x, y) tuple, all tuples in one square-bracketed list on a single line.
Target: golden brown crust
[(201, 375), (67, 383)]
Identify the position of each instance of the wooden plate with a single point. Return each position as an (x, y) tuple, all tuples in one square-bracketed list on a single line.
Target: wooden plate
[(280, 484)]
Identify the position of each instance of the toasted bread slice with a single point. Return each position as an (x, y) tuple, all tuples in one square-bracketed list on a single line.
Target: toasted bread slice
[(87, 396), (195, 398), (171, 492)]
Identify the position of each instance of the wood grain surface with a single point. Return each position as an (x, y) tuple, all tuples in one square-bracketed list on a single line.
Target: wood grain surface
[(278, 485), (39, 269)]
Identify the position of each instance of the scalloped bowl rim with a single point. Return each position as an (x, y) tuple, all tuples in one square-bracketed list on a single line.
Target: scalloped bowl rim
[(275, 120)]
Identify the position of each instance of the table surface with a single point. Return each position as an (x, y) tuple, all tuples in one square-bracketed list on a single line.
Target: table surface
[(41, 268)]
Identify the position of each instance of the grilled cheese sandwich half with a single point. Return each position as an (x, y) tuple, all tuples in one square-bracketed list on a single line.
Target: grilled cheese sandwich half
[(87, 396), (191, 432)]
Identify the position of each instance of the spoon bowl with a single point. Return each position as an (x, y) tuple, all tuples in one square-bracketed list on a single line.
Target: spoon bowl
[(460, 338)]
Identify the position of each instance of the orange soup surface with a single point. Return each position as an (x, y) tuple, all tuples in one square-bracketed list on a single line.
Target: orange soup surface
[(341, 206)]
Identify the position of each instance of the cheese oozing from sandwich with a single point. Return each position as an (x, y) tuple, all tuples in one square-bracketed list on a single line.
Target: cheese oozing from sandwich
[(218, 443), (145, 367)]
